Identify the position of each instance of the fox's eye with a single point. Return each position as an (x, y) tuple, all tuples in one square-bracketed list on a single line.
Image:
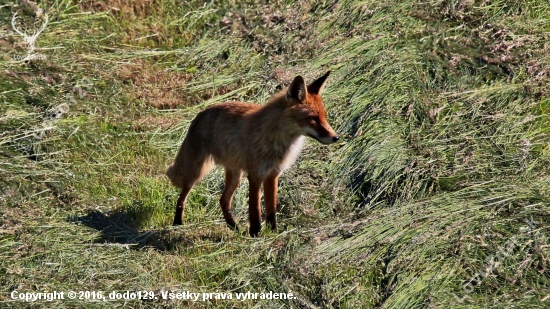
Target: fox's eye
[(314, 118)]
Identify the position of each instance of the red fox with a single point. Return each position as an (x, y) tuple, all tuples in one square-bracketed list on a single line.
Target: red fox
[(262, 141)]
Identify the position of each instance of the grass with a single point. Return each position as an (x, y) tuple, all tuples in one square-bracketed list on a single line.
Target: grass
[(443, 110)]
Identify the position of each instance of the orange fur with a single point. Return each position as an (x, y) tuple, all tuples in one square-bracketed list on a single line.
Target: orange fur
[(262, 141)]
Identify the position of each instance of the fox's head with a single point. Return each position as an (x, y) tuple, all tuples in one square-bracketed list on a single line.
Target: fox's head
[(305, 106)]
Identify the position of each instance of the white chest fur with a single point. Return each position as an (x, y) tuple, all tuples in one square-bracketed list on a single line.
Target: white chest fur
[(292, 154)]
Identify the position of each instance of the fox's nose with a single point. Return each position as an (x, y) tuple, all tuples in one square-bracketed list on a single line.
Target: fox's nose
[(336, 138)]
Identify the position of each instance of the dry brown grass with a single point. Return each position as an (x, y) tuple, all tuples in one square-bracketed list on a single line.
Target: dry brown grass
[(151, 122), (129, 10), (156, 87)]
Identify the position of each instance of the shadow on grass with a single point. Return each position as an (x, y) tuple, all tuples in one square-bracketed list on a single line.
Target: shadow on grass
[(114, 229)]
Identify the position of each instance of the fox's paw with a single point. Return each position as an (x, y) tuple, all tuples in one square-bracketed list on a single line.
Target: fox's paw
[(232, 225), (230, 221), (178, 216), (255, 229), (272, 221)]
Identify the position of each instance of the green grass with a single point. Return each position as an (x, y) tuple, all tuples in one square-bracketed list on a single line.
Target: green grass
[(443, 109)]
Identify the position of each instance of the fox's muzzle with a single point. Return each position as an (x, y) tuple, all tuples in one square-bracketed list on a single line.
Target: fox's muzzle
[(327, 139), (322, 139)]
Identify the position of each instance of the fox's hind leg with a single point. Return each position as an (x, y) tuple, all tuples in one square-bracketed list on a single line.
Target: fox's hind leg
[(232, 181), (180, 205), (189, 172)]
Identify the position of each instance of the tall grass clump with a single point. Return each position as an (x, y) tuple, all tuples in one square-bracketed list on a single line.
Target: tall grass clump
[(445, 107)]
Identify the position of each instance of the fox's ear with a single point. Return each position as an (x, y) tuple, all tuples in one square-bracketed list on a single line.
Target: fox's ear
[(297, 90), (317, 86)]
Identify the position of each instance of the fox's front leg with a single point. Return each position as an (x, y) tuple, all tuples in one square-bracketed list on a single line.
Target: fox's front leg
[(254, 208), (270, 198)]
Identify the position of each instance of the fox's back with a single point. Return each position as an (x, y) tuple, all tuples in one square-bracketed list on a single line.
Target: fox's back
[(220, 132)]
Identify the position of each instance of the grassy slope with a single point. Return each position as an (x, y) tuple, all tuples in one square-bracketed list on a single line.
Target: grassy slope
[(444, 108)]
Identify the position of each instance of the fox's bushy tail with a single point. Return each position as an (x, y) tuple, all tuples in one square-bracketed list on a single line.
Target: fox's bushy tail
[(188, 169), (175, 178)]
